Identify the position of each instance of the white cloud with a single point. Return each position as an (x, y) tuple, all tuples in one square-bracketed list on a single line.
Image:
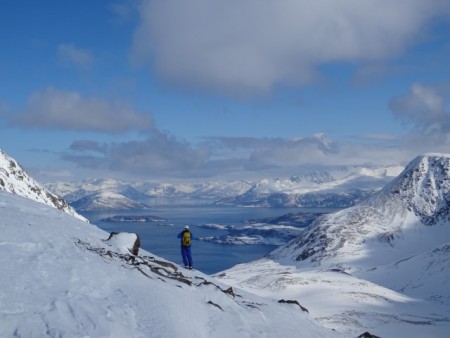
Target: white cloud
[(68, 54), (424, 108), (245, 47), (68, 110), (421, 105)]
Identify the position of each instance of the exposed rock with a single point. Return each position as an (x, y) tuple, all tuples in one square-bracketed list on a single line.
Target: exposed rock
[(368, 335), (288, 301), (214, 304)]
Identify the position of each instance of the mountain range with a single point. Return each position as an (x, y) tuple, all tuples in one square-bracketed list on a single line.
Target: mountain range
[(337, 187)]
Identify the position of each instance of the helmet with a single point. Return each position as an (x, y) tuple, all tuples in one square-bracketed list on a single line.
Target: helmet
[(186, 226)]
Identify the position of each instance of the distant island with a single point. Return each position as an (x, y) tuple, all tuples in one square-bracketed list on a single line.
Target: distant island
[(147, 218)]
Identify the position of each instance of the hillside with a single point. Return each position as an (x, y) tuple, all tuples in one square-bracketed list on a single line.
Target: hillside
[(383, 264), (61, 278), (14, 179), (407, 217)]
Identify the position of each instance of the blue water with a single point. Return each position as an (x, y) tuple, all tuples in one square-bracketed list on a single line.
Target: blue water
[(160, 238)]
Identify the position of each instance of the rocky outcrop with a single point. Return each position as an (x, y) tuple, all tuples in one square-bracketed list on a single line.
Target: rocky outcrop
[(14, 179)]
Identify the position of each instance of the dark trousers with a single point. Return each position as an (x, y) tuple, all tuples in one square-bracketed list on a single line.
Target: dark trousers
[(187, 255)]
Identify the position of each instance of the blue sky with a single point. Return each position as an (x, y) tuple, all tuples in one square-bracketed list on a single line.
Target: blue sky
[(207, 89)]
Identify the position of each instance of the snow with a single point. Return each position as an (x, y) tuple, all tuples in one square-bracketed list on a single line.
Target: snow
[(122, 242), (107, 200), (382, 266), (14, 179), (61, 279), (343, 302)]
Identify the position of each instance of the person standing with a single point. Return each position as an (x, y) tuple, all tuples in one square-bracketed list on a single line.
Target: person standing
[(186, 240)]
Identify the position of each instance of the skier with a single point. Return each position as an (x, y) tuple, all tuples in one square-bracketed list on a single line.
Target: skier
[(186, 238)]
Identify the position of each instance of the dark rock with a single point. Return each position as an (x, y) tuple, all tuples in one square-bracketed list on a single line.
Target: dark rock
[(288, 301), (368, 335)]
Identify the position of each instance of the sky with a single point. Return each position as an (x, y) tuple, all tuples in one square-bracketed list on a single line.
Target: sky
[(212, 89)]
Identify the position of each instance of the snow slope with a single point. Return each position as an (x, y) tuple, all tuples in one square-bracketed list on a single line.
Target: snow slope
[(14, 179), (342, 302), (409, 216), (383, 264), (60, 278)]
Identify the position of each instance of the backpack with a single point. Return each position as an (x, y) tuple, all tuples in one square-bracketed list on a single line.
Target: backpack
[(186, 239)]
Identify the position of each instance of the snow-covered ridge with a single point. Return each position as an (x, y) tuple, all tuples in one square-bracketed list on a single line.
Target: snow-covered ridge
[(410, 215), (107, 200), (14, 179), (424, 188), (332, 188)]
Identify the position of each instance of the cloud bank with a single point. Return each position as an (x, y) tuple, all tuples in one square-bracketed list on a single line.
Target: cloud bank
[(68, 110), (246, 47), (164, 156), (161, 155)]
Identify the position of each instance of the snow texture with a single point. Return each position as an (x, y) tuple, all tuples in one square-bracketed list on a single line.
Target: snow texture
[(382, 266), (61, 279)]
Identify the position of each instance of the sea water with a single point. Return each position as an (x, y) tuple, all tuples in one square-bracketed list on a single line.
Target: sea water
[(160, 237)]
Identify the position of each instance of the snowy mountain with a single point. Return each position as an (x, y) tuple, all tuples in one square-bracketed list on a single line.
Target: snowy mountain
[(14, 179), (105, 200), (383, 264), (409, 216), (62, 277), (336, 188), (212, 190), (94, 194), (142, 190)]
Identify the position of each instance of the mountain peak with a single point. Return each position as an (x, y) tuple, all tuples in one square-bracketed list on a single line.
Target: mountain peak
[(424, 187), (412, 211), (14, 179)]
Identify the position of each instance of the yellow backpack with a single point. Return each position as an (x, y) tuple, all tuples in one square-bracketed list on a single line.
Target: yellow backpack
[(186, 240)]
